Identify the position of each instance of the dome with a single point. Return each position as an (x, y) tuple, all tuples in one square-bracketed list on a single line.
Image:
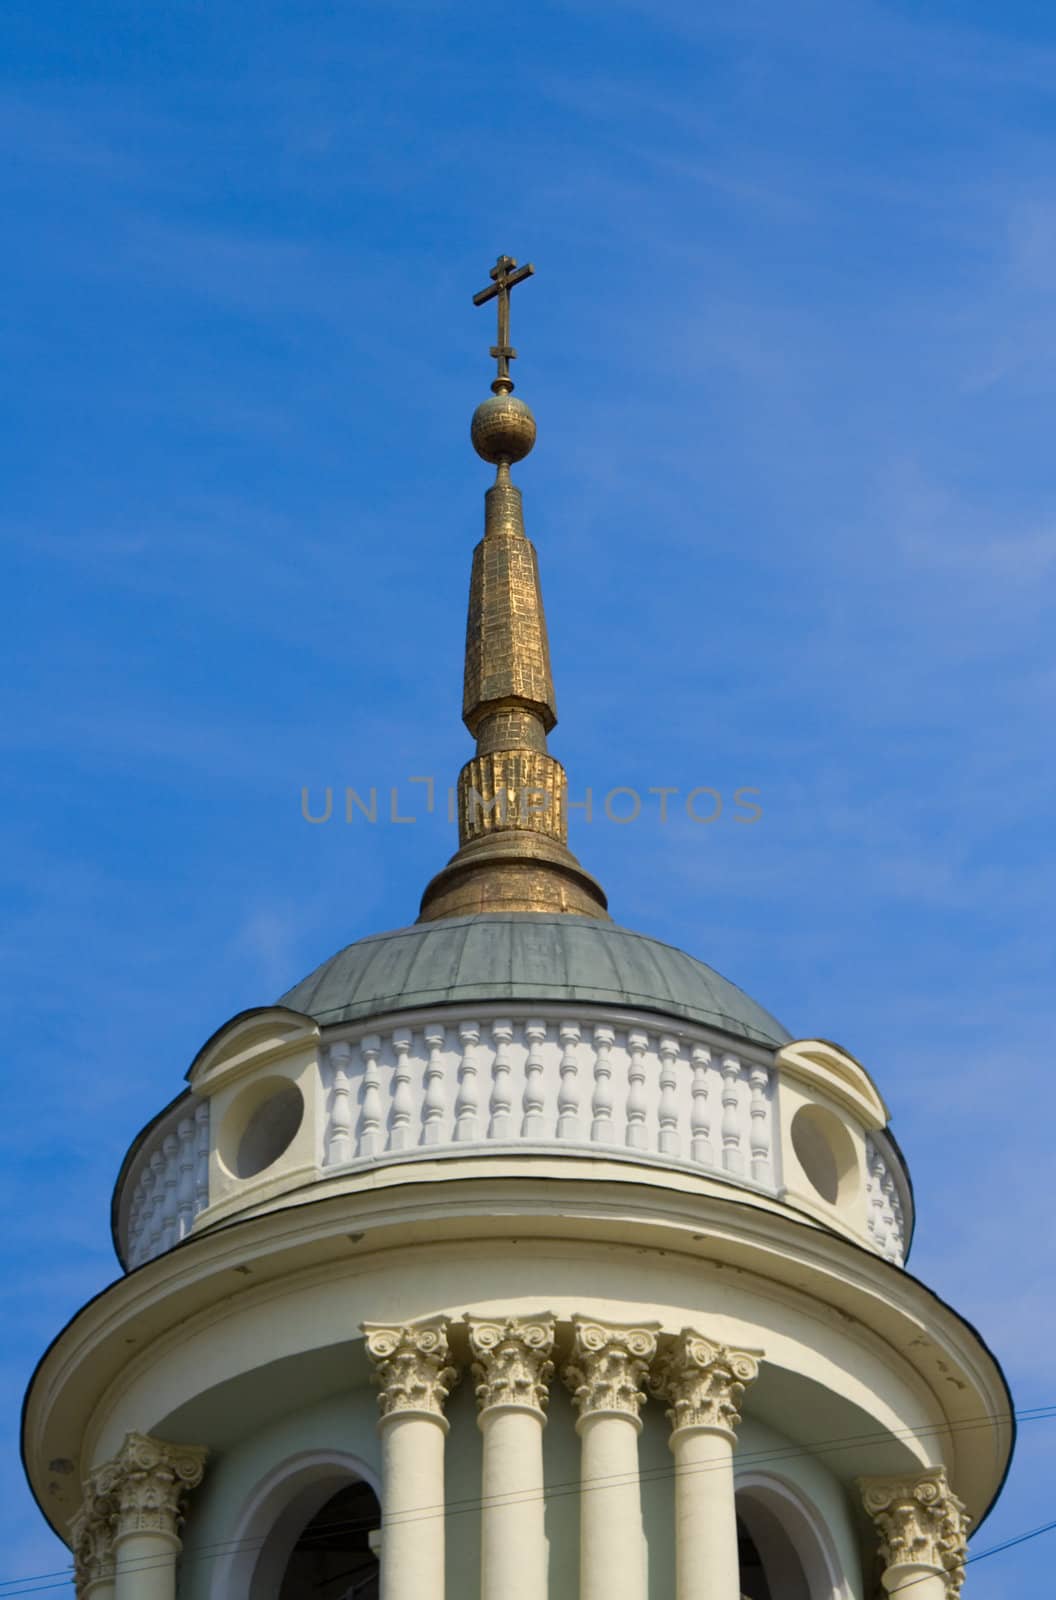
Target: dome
[(526, 956)]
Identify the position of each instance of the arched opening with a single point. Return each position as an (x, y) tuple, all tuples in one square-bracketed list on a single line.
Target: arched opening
[(785, 1549), (332, 1558), (305, 1534), (754, 1585)]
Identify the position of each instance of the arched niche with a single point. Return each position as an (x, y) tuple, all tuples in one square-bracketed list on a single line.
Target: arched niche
[(270, 1534), (796, 1552)]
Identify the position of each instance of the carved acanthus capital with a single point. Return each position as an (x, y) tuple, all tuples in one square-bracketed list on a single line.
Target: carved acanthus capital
[(511, 1360), (703, 1382), (149, 1481), (608, 1366), (412, 1366), (92, 1530), (921, 1522)]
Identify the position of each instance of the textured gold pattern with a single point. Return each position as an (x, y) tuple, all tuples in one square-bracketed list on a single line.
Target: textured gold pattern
[(512, 789), (512, 795)]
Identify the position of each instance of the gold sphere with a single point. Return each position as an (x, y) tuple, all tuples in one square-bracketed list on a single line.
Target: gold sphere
[(503, 429)]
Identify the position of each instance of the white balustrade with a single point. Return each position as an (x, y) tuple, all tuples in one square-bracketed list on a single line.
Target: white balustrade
[(615, 1087), (885, 1220), (168, 1183)]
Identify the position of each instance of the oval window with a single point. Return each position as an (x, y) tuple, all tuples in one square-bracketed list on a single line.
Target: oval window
[(825, 1151), (269, 1131)]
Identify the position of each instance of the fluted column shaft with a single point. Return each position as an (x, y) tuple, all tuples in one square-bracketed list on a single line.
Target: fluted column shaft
[(413, 1371), (148, 1482), (513, 1367), (605, 1374), (703, 1383), (922, 1529)]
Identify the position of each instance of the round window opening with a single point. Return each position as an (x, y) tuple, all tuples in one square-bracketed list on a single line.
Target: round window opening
[(269, 1130), (825, 1151)]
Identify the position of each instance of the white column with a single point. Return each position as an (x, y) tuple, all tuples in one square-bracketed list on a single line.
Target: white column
[(415, 1377), (703, 1383), (605, 1375), (150, 1480), (513, 1369), (922, 1528)]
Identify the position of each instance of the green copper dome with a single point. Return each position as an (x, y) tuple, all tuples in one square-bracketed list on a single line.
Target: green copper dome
[(526, 956)]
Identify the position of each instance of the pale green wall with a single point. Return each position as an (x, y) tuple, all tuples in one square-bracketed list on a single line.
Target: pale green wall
[(346, 1421)]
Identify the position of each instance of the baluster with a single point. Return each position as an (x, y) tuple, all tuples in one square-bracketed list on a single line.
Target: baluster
[(201, 1156), (890, 1227), (402, 1103), (468, 1088), (637, 1045), (170, 1149), (759, 1135), (370, 1098), (501, 1093), (601, 1108), (700, 1126), (670, 1144), (185, 1187), (732, 1154), (339, 1131), (532, 1123), (434, 1103), (157, 1206), (135, 1223), (568, 1093), (900, 1231), (878, 1172)]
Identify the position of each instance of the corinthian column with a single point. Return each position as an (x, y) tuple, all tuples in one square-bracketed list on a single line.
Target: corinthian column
[(703, 1383), (923, 1533), (605, 1375), (148, 1481), (513, 1369), (92, 1536), (414, 1373)]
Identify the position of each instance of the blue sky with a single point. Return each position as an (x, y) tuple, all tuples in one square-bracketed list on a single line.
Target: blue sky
[(791, 346)]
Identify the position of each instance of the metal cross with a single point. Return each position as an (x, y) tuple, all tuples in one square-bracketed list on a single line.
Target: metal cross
[(505, 275)]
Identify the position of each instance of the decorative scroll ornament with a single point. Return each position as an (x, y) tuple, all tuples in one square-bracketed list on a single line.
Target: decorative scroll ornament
[(150, 1479), (92, 1530), (412, 1366), (703, 1382), (921, 1522), (608, 1366), (511, 1360)]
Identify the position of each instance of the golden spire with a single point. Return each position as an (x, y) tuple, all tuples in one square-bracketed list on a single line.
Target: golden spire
[(513, 853)]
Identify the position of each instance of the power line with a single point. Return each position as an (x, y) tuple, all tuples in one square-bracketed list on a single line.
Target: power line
[(449, 1508)]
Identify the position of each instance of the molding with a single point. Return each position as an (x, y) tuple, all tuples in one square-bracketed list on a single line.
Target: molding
[(81, 1378), (825, 1066)]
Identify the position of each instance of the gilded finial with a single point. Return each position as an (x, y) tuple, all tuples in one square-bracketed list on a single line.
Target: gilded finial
[(513, 852), (503, 429)]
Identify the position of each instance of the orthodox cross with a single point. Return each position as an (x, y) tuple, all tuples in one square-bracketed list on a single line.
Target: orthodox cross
[(505, 275)]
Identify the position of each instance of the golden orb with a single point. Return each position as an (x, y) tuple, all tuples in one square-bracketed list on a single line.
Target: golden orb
[(503, 429)]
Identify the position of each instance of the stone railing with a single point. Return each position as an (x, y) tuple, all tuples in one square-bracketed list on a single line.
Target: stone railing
[(886, 1218), (534, 1081), (167, 1183), (623, 1086)]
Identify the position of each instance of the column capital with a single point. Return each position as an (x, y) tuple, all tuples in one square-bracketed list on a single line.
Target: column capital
[(921, 1523), (608, 1365), (511, 1361), (703, 1382), (412, 1367), (92, 1530), (148, 1479)]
